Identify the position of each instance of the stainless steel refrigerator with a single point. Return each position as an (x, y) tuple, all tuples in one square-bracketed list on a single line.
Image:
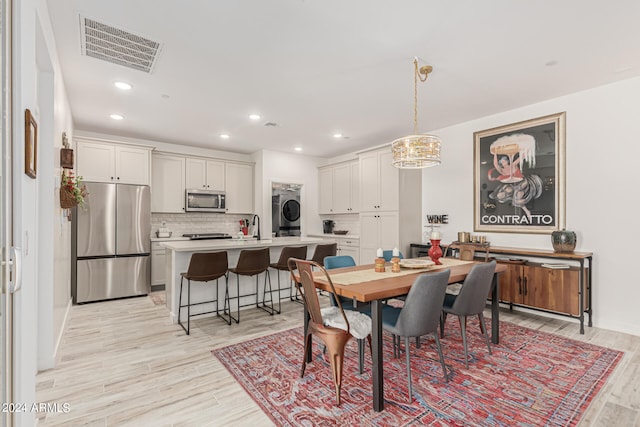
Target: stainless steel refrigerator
[(111, 243)]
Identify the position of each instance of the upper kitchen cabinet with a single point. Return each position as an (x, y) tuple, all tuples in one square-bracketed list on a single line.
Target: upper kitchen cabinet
[(339, 188), (205, 174), (379, 180), (107, 162), (168, 183), (239, 187)]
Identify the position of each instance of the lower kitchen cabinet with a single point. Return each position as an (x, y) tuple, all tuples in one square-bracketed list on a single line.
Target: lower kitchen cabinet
[(531, 285), (350, 247), (158, 264)]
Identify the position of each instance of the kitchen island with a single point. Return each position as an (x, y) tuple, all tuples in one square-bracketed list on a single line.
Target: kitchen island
[(179, 254)]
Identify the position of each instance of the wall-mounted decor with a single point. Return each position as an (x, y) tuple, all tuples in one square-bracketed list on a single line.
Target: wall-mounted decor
[(519, 176), (66, 153), (30, 144)]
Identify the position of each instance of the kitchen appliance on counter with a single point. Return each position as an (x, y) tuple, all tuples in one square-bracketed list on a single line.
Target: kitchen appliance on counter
[(110, 243), (205, 201), (285, 209), (207, 236), (327, 226)]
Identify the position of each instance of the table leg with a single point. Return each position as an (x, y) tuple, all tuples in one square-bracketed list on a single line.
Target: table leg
[(495, 311), (376, 344), (581, 295)]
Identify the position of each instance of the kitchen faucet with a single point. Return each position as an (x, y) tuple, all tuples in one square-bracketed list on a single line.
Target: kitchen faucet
[(254, 223)]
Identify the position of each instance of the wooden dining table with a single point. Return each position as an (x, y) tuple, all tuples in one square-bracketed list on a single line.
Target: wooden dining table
[(363, 285)]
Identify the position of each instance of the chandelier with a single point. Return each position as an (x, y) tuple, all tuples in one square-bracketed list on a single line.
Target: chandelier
[(418, 150)]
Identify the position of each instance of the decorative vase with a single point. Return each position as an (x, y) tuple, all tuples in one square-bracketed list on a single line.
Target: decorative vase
[(563, 241), (435, 252)]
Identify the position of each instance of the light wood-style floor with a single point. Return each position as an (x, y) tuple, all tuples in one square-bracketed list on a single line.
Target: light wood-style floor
[(121, 363)]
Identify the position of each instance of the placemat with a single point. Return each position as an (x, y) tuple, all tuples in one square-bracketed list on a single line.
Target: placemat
[(353, 277)]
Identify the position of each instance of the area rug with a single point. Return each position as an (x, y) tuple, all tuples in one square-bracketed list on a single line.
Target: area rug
[(531, 379)]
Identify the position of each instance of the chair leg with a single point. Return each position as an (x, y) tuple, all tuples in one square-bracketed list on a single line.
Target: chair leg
[(408, 353), (336, 356), (417, 342), (463, 328), (439, 347), (180, 306), (484, 331), (443, 319), (360, 356), (307, 341)]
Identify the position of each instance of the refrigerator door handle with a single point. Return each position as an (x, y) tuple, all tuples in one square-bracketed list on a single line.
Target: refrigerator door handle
[(15, 265)]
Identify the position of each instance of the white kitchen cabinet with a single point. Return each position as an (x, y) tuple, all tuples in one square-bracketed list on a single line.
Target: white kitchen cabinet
[(378, 230), (205, 174), (158, 264), (349, 247), (239, 188), (168, 183), (379, 182), (107, 162), (339, 188)]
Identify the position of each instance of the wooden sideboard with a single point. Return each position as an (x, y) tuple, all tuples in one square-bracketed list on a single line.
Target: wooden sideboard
[(527, 283)]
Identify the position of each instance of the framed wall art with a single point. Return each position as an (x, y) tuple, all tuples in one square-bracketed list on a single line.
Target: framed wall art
[(519, 176), (30, 144)]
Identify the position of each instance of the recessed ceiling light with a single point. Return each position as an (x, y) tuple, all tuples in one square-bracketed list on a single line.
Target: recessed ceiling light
[(337, 135), (224, 136), (117, 116), (254, 116), (298, 148), (123, 85)]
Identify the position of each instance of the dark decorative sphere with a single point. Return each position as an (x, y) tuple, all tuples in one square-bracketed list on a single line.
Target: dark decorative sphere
[(563, 241)]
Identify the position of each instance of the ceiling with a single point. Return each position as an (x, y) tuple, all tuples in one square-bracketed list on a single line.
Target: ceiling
[(318, 67)]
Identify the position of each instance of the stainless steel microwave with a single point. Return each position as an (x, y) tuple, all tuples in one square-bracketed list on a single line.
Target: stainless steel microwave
[(205, 201)]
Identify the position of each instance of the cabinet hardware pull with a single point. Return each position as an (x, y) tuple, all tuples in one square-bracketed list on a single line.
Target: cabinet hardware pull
[(520, 285), (525, 285)]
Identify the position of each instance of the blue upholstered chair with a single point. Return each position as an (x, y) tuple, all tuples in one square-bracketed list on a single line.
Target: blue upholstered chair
[(387, 255), (338, 261)]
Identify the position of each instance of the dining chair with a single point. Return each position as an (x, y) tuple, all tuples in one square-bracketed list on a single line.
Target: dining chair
[(203, 267), (419, 316), (341, 261), (388, 254), (322, 251), (470, 301), (333, 325)]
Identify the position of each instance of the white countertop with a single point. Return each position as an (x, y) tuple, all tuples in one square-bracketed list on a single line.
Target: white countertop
[(204, 245), (336, 236), (168, 239)]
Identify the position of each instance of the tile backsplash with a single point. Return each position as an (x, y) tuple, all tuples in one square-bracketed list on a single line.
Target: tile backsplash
[(349, 222), (195, 222)]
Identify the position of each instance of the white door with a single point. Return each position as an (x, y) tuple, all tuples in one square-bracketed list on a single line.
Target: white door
[(9, 265)]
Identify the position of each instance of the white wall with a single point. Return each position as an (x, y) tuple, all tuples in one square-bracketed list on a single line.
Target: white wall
[(39, 305), (602, 152), (272, 166)]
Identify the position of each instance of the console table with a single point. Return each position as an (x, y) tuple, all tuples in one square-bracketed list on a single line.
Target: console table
[(564, 291)]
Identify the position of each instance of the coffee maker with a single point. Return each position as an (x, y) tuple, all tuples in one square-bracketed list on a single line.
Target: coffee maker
[(327, 226)]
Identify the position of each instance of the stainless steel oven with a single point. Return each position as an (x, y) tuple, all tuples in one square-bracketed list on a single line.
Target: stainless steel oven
[(205, 201)]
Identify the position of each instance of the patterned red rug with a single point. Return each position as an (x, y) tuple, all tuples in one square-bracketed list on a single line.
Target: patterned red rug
[(533, 378)]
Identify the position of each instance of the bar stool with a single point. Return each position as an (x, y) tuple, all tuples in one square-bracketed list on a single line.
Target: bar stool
[(321, 252), (252, 262), (299, 252), (203, 267)]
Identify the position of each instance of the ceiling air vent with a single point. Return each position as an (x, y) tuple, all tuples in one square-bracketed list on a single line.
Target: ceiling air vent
[(111, 44)]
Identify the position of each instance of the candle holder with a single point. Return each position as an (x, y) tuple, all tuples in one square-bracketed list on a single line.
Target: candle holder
[(395, 264), (379, 265), (435, 251)]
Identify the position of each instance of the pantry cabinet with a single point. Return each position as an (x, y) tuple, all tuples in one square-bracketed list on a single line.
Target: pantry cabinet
[(168, 183), (109, 162), (339, 188), (378, 230), (205, 174), (380, 182)]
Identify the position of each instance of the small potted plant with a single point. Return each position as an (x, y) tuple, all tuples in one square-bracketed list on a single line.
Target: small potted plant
[(72, 190)]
